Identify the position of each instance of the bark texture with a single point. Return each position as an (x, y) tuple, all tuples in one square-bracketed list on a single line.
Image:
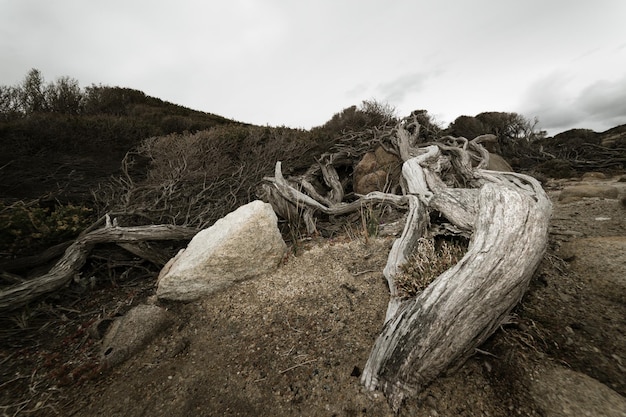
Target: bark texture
[(464, 305)]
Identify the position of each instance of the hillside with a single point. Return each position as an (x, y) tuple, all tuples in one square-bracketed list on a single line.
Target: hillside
[(66, 154), (60, 142)]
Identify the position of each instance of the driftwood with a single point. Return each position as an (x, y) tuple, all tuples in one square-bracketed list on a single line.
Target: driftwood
[(76, 254), (287, 200), (505, 215)]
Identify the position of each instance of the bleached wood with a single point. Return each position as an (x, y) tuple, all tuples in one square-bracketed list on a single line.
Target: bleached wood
[(75, 256), (464, 305), (287, 201)]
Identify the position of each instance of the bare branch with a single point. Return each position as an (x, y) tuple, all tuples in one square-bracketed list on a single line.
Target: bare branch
[(76, 255)]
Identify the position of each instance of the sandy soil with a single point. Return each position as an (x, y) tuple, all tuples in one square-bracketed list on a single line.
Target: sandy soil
[(293, 343)]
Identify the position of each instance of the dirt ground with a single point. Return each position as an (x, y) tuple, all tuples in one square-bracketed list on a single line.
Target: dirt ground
[(294, 343)]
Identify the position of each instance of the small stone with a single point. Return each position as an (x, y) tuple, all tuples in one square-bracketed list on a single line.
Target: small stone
[(431, 401), (593, 176), (567, 253), (578, 192), (559, 391)]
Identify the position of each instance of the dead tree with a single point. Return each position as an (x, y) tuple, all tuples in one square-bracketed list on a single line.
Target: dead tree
[(505, 215), (76, 254)]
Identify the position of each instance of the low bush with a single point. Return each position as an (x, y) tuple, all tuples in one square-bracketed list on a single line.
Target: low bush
[(28, 228), (556, 168)]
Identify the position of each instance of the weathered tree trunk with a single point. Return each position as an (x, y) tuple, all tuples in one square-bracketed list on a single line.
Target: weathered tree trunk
[(76, 254), (466, 304), (506, 215)]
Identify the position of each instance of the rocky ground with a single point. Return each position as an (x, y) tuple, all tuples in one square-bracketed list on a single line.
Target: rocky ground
[(294, 343)]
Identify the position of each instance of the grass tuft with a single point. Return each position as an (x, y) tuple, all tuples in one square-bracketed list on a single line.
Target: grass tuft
[(431, 258)]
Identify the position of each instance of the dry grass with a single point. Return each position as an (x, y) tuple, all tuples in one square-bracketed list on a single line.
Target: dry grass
[(431, 258)]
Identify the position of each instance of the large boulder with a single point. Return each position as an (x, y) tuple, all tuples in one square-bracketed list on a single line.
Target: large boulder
[(244, 244), (562, 392), (377, 171), (380, 170), (498, 163)]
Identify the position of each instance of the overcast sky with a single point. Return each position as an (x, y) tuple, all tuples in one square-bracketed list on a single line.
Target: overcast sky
[(297, 62)]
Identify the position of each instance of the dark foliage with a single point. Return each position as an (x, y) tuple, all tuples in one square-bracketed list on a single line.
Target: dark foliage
[(513, 130), (68, 139), (586, 150), (369, 114), (60, 143), (556, 168)]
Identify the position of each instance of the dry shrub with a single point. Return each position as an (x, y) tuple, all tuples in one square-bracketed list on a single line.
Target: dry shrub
[(556, 168), (431, 259), (27, 228), (195, 179)]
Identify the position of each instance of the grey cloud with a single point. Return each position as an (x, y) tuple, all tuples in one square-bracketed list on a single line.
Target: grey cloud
[(605, 101), (546, 99), (358, 90), (396, 90), (599, 106), (252, 60)]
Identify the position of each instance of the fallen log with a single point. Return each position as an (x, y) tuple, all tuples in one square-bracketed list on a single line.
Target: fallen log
[(76, 254), (423, 336)]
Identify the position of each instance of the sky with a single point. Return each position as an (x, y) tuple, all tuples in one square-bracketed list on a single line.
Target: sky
[(298, 62)]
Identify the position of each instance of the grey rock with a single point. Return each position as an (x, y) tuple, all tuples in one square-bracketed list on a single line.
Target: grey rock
[(243, 245), (561, 392), (132, 332)]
